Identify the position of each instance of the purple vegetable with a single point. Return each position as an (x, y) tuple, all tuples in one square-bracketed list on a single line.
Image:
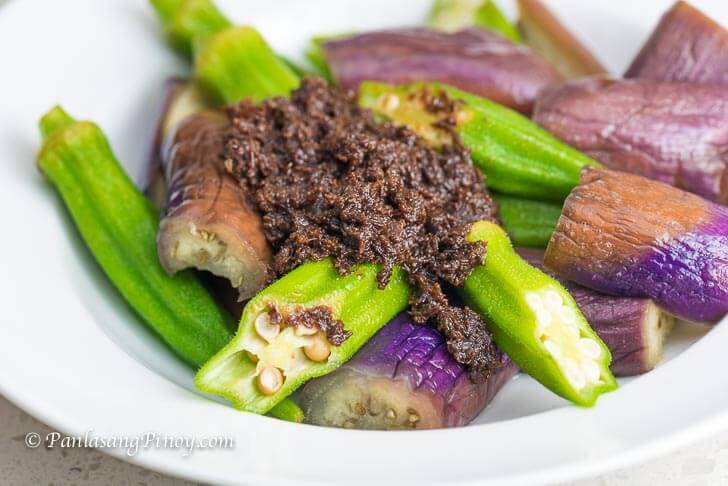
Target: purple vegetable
[(626, 235), (180, 98), (634, 329), (403, 378), (676, 133), (687, 45), (208, 222), (474, 60)]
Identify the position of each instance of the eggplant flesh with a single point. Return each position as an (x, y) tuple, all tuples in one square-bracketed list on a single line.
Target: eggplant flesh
[(676, 133), (625, 235), (634, 329), (686, 45), (474, 60), (542, 31), (403, 378), (208, 221)]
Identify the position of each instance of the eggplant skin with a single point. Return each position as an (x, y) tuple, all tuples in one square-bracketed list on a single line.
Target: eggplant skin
[(686, 45), (633, 328), (180, 98), (676, 133), (208, 221), (403, 378), (474, 60), (625, 235)]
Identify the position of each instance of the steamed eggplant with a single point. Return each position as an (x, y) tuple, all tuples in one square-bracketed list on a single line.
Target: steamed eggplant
[(626, 235), (686, 45), (676, 133), (634, 329), (474, 60), (180, 98), (208, 222), (403, 378)]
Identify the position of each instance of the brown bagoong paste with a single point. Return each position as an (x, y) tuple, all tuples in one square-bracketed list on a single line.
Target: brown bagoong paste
[(331, 181)]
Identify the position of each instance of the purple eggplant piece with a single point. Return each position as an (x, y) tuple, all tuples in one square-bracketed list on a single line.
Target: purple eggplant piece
[(634, 329), (180, 98), (403, 378), (676, 133), (686, 45), (208, 222), (625, 235), (474, 60)]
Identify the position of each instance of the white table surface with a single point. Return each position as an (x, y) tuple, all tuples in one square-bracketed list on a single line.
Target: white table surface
[(702, 464)]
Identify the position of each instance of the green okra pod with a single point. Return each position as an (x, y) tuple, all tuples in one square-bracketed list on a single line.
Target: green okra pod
[(453, 15), (528, 223), (536, 321), (186, 21), (119, 226), (238, 63), (517, 156), (279, 344)]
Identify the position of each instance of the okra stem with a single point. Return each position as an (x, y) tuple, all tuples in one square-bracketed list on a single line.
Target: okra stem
[(452, 15), (119, 226), (518, 157), (536, 322), (187, 21)]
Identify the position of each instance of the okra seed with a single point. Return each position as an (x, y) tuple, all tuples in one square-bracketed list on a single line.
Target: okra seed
[(270, 380), (567, 315), (534, 300), (318, 349), (389, 102), (265, 329), (589, 348), (304, 330), (552, 299), (590, 370), (553, 348), (544, 317), (572, 329), (573, 372)]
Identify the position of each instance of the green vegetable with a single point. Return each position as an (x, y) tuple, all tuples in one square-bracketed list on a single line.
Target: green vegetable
[(184, 21), (536, 321), (237, 63), (518, 157), (267, 361), (452, 15), (528, 223), (317, 58), (119, 225), (190, 24)]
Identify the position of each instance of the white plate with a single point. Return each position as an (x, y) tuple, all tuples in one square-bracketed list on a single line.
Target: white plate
[(73, 354)]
